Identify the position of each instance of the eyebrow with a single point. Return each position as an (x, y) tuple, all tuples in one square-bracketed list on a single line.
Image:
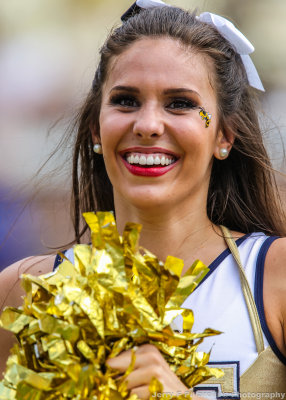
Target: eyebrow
[(125, 88), (180, 90), (167, 91)]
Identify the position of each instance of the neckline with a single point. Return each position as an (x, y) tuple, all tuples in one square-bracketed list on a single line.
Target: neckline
[(219, 259)]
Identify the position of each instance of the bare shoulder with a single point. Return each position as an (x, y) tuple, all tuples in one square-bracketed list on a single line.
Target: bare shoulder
[(274, 291), (275, 264), (10, 278), (11, 294)]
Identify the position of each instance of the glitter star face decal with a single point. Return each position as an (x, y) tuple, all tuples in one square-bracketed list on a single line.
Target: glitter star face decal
[(205, 116)]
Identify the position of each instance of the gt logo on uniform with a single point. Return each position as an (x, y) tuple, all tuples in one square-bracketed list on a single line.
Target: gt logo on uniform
[(226, 387)]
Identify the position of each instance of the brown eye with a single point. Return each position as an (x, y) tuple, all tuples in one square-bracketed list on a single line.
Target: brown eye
[(124, 101), (181, 104)]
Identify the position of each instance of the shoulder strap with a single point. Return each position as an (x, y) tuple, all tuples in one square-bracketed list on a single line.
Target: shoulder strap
[(248, 296)]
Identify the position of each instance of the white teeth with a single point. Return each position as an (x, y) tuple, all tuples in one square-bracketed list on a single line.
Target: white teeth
[(150, 160), (142, 160)]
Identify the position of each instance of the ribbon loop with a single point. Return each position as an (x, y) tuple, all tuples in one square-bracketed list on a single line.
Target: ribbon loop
[(239, 42), (226, 28)]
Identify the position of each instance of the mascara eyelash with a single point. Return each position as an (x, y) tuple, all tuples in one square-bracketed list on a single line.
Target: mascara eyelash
[(115, 100), (190, 104)]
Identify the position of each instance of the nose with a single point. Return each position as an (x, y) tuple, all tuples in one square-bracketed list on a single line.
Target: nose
[(149, 122)]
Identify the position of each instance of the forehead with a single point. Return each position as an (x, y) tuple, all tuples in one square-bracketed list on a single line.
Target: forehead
[(161, 61)]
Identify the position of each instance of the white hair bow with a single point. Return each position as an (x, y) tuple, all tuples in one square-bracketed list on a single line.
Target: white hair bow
[(226, 28), (240, 43), (135, 8), (151, 3)]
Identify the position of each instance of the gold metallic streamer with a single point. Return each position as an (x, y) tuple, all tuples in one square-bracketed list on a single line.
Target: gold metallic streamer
[(115, 296)]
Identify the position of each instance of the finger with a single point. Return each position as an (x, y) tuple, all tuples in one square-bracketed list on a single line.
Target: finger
[(146, 356), (154, 366), (143, 376), (142, 392), (121, 362), (138, 377)]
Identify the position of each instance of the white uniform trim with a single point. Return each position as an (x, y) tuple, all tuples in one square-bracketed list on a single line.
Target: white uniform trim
[(218, 303)]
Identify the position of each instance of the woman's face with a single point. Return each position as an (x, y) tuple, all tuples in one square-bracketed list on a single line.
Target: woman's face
[(156, 147)]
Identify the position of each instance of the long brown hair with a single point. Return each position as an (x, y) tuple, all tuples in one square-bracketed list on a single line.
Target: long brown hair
[(242, 193)]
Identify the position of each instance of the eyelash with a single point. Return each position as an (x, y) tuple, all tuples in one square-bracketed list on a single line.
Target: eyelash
[(185, 104), (121, 100), (118, 99)]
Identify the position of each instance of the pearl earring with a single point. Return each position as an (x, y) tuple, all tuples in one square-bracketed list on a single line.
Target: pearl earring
[(97, 148), (223, 152)]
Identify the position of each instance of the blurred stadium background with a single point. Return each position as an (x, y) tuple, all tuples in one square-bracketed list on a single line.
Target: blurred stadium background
[(48, 54)]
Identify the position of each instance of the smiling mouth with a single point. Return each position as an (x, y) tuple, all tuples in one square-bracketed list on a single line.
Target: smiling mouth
[(147, 160)]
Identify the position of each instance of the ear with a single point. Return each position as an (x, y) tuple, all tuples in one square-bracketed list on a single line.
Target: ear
[(94, 134), (224, 142)]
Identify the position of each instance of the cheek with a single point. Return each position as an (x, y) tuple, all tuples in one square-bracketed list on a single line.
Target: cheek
[(193, 136), (198, 144), (112, 128)]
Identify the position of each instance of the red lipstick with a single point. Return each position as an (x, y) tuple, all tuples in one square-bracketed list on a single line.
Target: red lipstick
[(154, 170), (150, 171)]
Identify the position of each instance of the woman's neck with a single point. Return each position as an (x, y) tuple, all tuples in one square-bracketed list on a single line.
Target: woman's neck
[(188, 236)]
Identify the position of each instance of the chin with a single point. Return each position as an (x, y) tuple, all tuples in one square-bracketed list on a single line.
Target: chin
[(149, 201)]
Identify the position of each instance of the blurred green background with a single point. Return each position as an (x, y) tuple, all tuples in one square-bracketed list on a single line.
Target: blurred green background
[(48, 54)]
